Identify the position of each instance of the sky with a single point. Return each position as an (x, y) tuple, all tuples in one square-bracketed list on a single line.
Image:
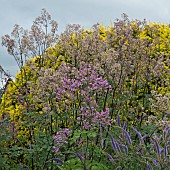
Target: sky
[(83, 12)]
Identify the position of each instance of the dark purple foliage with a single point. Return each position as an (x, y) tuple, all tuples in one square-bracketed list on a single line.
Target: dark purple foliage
[(125, 125), (113, 144), (128, 138), (157, 147), (138, 133), (118, 120), (154, 162), (110, 158), (59, 161), (149, 166), (125, 148)]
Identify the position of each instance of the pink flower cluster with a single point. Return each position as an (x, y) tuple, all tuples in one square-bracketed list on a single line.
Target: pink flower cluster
[(71, 84), (87, 83), (91, 117), (60, 139), (102, 117), (86, 76)]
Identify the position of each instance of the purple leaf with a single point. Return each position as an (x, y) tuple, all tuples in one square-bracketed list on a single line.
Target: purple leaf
[(125, 125), (138, 133), (110, 158), (140, 150), (125, 148), (79, 156), (117, 147), (168, 131), (143, 117), (149, 166), (113, 144), (162, 150), (59, 161), (144, 137), (154, 162), (127, 137), (157, 147), (165, 151)]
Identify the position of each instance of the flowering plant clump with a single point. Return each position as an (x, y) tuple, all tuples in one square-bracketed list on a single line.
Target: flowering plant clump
[(87, 99), (91, 119), (151, 150), (83, 90), (60, 139)]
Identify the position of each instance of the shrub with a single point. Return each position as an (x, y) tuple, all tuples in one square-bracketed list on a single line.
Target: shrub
[(81, 85)]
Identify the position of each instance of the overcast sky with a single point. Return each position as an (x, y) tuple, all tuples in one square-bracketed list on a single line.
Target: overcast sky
[(84, 12)]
